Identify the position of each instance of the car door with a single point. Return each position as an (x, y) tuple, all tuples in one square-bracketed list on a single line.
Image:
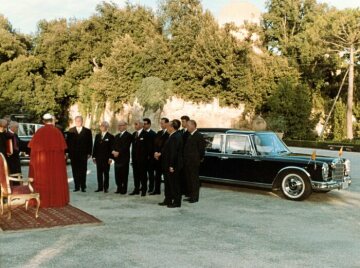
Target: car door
[(210, 167), (237, 161)]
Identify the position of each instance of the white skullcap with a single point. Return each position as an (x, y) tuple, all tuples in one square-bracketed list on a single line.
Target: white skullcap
[(47, 116)]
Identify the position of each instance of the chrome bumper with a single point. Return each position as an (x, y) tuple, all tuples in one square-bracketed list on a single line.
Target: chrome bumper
[(331, 185)]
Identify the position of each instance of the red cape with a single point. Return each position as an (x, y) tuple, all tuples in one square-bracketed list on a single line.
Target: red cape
[(48, 168)]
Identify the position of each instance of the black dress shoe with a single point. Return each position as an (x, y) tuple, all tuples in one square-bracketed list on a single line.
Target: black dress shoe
[(98, 190), (134, 193), (191, 200), (173, 205), (83, 190), (105, 191), (76, 190), (154, 193)]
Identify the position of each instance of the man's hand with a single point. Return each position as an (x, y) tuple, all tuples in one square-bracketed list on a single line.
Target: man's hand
[(171, 170), (115, 153), (94, 160), (110, 161), (157, 155)]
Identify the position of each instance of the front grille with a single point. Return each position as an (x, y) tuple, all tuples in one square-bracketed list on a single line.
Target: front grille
[(337, 172)]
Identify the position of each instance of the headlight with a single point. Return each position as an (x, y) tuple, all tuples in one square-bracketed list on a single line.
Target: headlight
[(347, 167), (325, 171)]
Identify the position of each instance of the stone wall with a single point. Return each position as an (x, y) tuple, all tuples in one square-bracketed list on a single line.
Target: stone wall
[(206, 114)]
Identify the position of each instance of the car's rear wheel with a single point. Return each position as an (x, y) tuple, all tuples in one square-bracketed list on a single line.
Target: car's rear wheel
[(295, 186)]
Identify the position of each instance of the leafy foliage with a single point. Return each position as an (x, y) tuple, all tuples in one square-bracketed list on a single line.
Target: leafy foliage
[(290, 110), (120, 54)]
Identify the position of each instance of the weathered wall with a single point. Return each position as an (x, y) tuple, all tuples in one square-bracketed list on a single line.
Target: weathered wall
[(206, 114)]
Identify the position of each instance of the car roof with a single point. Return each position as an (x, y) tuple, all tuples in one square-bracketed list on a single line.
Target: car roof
[(231, 131)]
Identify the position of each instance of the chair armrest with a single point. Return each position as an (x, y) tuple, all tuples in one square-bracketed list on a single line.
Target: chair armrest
[(16, 179), (20, 179), (17, 175)]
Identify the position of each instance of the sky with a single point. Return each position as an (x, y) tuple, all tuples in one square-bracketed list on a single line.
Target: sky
[(25, 14)]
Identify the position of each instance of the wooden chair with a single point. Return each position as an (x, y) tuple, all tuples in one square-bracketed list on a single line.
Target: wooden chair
[(18, 194)]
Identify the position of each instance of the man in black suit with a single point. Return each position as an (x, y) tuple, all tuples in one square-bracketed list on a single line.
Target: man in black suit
[(151, 162), (3, 136), (79, 142), (172, 162), (184, 120), (194, 151), (102, 156), (140, 155), (185, 134), (121, 156), (159, 141), (13, 160)]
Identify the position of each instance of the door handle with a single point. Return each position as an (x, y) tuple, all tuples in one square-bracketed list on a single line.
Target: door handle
[(224, 157)]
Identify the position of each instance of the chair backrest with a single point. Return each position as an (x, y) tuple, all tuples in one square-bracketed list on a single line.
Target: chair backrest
[(4, 178)]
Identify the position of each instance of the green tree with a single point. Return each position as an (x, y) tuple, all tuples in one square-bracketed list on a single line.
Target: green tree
[(290, 110), (153, 93), (12, 44), (339, 125), (181, 22), (22, 85), (344, 37)]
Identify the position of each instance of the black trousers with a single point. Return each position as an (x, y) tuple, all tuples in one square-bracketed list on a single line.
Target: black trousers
[(172, 187), (103, 168), (14, 166), (158, 174), (140, 176), (192, 180), (150, 171), (121, 176), (13, 162), (79, 168)]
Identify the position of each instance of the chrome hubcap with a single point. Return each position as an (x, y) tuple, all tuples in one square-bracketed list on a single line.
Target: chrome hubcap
[(293, 185)]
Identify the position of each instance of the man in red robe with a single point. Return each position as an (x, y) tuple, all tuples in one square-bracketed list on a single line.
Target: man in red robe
[(47, 165)]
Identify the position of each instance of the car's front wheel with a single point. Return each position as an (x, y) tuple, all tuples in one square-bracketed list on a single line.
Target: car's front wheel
[(295, 186)]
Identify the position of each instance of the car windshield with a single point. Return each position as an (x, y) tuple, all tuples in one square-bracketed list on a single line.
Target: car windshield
[(269, 144)]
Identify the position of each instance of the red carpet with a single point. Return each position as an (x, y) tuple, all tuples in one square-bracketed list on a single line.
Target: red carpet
[(48, 218)]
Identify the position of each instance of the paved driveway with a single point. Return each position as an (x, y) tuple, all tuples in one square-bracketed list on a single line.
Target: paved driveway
[(229, 227)]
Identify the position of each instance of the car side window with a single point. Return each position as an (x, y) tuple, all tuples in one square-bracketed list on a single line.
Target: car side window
[(214, 142), (238, 144)]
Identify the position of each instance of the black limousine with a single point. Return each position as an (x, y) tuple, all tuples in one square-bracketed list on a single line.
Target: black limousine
[(261, 159)]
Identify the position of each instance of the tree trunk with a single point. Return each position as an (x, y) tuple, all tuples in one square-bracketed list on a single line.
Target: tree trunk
[(349, 113)]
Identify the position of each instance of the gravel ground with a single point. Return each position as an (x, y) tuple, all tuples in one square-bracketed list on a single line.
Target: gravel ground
[(229, 227)]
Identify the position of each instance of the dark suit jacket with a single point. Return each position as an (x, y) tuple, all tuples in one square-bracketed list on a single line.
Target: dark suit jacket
[(79, 144), (141, 147), (3, 139), (14, 159), (122, 145), (103, 147), (172, 152), (185, 134), (194, 149), (152, 135), (159, 140)]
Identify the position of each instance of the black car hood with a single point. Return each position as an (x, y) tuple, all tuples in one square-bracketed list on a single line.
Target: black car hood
[(307, 157)]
